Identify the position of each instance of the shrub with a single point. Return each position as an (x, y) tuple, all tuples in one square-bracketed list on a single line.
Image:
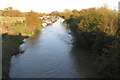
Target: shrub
[(98, 29), (33, 20)]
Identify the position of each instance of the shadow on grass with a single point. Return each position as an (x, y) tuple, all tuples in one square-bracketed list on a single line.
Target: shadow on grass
[(10, 47)]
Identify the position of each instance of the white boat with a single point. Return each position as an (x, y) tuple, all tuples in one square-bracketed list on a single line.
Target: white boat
[(44, 24)]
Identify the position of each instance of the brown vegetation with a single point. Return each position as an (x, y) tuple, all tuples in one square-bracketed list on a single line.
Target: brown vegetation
[(99, 30)]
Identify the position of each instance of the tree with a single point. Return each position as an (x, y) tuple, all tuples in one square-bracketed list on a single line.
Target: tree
[(33, 20), (8, 8), (54, 13), (67, 10), (67, 13), (12, 12)]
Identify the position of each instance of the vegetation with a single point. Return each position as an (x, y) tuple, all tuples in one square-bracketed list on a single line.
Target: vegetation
[(21, 25), (33, 20), (12, 13), (11, 19), (98, 29)]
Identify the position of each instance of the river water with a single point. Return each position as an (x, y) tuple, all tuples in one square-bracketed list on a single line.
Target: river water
[(51, 54)]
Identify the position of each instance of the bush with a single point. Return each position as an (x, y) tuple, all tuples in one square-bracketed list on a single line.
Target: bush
[(33, 20), (98, 30)]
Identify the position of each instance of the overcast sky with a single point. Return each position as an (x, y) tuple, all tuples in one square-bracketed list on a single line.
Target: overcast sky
[(48, 6)]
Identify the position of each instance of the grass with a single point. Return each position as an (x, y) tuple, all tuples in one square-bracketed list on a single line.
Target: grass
[(25, 30), (11, 19), (22, 29), (41, 27)]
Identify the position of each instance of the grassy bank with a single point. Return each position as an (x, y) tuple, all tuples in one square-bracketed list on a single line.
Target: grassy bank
[(10, 47), (16, 26)]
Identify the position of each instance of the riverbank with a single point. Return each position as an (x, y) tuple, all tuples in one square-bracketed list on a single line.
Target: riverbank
[(10, 47), (94, 29), (14, 30)]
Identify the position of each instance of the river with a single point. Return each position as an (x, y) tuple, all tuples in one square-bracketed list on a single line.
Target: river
[(51, 54)]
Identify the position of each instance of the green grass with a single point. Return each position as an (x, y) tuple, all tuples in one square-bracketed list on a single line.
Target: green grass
[(25, 30), (41, 27), (22, 29), (11, 19), (31, 34)]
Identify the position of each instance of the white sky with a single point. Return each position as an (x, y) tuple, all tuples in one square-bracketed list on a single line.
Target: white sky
[(48, 6)]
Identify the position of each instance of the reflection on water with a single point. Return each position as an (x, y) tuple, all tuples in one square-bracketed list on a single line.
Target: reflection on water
[(84, 62), (49, 54)]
